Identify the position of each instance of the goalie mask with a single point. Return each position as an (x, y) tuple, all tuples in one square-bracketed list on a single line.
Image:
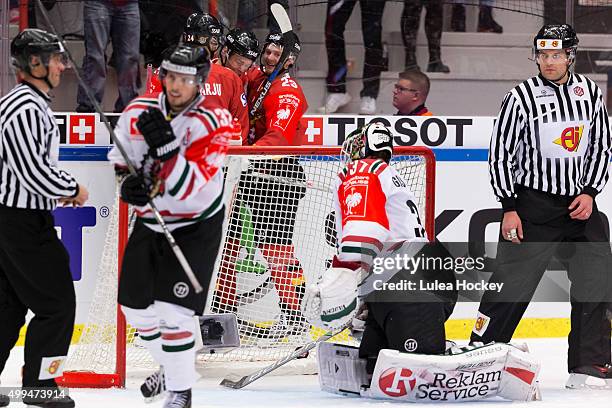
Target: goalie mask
[(368, 141), (556, 37), (187, 60)]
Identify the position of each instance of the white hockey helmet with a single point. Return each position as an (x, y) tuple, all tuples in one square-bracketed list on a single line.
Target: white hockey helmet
[(373, 138)]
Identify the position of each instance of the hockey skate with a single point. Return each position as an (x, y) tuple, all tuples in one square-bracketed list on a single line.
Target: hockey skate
[(178, 399), (154, 386), (590, 377), (4, 400)]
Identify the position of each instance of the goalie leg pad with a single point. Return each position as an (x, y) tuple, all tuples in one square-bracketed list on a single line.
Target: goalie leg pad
[(341, 371), (483, 372)]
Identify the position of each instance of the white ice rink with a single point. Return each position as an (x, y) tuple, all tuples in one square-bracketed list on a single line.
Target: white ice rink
[(303, 391)]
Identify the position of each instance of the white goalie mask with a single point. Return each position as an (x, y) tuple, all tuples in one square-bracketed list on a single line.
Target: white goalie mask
[(362, 142)]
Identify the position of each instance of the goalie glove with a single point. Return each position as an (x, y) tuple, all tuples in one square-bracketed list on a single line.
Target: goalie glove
[(332, 302), (157, 132)]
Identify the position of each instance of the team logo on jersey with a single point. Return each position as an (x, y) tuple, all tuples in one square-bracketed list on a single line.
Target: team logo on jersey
[(181, 290), (352, 201), (482, 322), (578, 90), (570, 138), (396, 381), (187, 138)]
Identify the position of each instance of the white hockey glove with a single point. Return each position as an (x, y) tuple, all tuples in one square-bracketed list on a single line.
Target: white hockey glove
[(332, 302)]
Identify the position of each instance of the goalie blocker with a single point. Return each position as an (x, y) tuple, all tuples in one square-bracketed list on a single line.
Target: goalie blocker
[(495, 370)]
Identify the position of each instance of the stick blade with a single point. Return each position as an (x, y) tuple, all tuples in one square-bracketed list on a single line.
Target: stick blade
[(281, 17), (234, 384)]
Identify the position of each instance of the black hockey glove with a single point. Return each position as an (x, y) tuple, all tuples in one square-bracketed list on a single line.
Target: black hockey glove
[(134, 191), (157, 132)]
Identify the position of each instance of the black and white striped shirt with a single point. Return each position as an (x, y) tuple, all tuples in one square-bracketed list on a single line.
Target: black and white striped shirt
[(29, 151), (552, 138)]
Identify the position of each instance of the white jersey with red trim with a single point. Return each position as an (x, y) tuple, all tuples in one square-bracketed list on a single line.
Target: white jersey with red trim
[(192, 182), (374, 210)]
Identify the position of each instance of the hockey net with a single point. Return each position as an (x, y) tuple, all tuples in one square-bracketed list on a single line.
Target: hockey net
[(262, 267)]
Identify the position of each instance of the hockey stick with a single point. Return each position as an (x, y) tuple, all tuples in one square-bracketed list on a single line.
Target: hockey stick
[(175, 248), (281, 17), (247, 379)]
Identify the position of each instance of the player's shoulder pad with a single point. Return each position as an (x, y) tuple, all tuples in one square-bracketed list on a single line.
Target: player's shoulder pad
[(212, 118), (363, 166), (143, 103)]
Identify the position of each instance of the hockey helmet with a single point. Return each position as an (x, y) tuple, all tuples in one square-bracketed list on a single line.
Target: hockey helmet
[(556, 37), (189, 60), (33, 41), (203, 30), (243, 43), (279, 40), (363, 142)]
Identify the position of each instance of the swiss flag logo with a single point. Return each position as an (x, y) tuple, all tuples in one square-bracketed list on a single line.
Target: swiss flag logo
[(82, 129), (313, 135)]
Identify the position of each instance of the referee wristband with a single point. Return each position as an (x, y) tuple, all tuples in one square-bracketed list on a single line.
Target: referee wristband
[(508, 204), (590, 191)]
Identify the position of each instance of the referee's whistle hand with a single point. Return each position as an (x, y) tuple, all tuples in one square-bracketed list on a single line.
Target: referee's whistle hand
[(512, 227), (581, 208)]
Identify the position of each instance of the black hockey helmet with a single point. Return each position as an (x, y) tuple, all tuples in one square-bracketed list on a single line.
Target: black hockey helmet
[(243, 43), (33, 41), (203, 30), (189, 60), (374, 137), (277, 38), (556, 37)]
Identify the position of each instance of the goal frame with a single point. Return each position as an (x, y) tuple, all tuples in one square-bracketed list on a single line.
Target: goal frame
[(90, 379)]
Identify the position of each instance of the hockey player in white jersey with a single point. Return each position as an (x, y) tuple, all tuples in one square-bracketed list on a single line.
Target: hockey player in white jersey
[(178, 147), (376, 215)]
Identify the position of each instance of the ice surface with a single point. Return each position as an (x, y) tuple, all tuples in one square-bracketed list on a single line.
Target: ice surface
[(303, 391)]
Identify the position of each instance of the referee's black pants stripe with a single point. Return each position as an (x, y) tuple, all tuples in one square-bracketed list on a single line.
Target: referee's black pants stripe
[(546, 224), (34, 275)]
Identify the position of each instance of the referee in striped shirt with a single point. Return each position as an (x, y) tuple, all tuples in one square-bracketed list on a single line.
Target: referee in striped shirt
[(34, 269), (548, 160)]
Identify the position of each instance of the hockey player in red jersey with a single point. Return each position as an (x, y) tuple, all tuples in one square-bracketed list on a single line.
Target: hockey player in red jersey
[(223, 87), (271, 206), (277, 122), (239, 52)]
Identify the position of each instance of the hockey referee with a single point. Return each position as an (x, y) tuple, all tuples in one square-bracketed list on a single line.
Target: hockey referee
[(549, 158), (34, 269)]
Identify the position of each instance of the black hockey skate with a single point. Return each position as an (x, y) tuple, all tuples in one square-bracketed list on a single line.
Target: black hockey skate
[(154, 386), (585, 377), (4, 400), (178, 399)]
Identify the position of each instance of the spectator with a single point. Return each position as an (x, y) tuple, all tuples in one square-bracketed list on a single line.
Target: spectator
[(118, 21), (411, 18), (338, 13), (410, 94), (486, 23)]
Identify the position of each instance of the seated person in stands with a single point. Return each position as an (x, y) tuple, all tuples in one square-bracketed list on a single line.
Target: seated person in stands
[(410, 93)]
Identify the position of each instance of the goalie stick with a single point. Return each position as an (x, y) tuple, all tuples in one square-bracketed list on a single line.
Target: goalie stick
[(298, 353), (281, 17), (175, 248)]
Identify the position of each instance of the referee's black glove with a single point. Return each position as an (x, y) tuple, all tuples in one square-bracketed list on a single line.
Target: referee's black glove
[(157, 132), (134, 191)]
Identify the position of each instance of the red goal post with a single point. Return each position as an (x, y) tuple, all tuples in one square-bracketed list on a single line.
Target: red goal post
[(108, 348)]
